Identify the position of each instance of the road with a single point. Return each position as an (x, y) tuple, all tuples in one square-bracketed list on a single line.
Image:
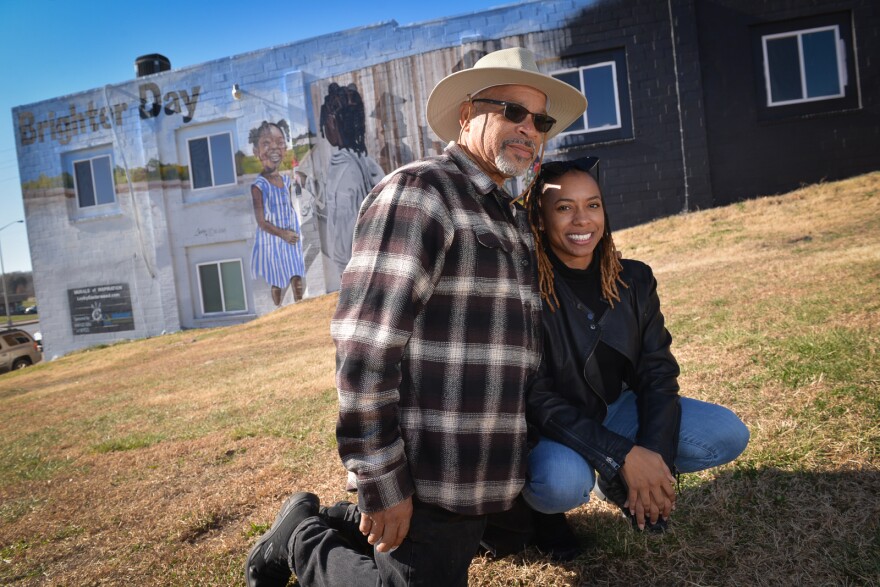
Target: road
[(30, 327)]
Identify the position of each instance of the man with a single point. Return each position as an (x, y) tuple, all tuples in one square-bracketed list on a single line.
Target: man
[(437, 330)]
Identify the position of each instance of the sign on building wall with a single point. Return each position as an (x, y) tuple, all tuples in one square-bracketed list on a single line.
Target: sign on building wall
[(100, 308)]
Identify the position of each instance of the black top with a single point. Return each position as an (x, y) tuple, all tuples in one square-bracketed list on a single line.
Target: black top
[(586, 285)]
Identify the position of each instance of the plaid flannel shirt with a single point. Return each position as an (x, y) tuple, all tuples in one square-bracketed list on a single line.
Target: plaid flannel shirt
[(437, 330)]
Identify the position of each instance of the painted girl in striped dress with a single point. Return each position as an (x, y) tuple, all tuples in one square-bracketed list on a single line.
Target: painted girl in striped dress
[(277, 256)]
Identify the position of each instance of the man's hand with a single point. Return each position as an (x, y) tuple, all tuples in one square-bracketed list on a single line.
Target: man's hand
[(651, 485), (386, 529)]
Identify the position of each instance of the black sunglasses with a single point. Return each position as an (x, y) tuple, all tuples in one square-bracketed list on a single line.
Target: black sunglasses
[(557, 168), (516, 113)]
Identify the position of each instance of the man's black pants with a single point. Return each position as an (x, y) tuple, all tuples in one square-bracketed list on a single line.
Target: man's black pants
[(437, 551)]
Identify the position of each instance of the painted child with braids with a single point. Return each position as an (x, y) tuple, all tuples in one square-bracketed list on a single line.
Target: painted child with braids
[(607, 398), (277, 254)]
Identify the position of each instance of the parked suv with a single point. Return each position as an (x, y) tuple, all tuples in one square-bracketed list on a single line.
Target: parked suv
[(17, 350)]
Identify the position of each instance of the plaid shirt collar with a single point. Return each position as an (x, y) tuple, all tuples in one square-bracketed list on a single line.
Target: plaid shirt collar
[(482, 182)]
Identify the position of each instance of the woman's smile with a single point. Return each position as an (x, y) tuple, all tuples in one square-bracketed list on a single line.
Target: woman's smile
[(581, 238)]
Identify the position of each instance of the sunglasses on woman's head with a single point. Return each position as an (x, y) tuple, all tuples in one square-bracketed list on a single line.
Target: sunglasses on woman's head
[(585, 164), (516, 113)]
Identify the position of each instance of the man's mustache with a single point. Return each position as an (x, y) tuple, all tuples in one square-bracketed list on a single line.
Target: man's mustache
[(530, 144)]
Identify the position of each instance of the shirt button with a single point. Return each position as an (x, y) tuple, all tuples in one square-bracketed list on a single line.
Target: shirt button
[(580, 306), (590, 315), (525, 262), (592, 327)]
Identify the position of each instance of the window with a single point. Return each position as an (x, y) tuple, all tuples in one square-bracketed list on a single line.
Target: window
[(16, 339), (803, 66), (211, 162), (93, 181), (90, 181), (598, 83), (221, 285), (602, 79)]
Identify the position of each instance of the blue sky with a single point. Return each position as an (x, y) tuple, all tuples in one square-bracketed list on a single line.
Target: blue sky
[(51, 48)]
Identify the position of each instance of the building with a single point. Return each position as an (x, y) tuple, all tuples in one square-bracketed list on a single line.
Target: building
[(138, 196)]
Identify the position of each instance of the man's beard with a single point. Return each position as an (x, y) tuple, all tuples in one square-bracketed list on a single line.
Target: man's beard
[(512, 166)]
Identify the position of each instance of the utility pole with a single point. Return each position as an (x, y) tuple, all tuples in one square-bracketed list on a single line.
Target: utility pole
[(3, 277)]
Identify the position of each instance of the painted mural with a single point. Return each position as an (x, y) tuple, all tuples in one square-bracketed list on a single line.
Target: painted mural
[(301, 158), (213, 206), (277, 254), (350, 174)]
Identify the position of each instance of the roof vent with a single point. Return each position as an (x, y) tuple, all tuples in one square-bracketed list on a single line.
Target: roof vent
[(152, 63)]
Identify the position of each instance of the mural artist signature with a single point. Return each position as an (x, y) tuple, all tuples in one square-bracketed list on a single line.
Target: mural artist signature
[(209, 232)]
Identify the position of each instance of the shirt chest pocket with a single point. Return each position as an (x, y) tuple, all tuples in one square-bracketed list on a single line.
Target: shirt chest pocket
[(494, 258), (489, 240)]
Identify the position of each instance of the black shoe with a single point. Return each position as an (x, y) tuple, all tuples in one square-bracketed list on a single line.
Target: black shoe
[(266, 564), (554, 537), (658, 527), (615, 492), (509, 532)]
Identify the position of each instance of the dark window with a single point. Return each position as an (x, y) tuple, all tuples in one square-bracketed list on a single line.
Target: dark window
[(222, 287), (600, 87), (806, 66), (602, 78), (15, 340), (211, 162), (94, 181)]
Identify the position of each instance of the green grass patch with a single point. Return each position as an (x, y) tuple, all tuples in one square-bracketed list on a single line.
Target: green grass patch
[(19, 319), (13, 509), (836, 354), (867, 394), (17, 548), (68, 531), (29, 458), (256, 530), (130, 442)]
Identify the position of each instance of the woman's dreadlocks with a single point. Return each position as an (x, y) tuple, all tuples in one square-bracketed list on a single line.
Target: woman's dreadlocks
[(609, 258)]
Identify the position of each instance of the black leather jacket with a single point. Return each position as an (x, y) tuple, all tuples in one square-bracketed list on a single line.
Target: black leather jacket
[(567, 402)]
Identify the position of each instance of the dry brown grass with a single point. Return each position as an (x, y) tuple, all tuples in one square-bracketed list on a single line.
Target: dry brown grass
[(158, 462)]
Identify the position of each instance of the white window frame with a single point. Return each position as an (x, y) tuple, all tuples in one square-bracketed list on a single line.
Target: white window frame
[(90, 160), (580, 70), (207, 138), (841, 65), (224, 311)]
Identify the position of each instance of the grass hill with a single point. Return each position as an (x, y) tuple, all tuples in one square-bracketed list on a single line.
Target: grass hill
[(159, 462)]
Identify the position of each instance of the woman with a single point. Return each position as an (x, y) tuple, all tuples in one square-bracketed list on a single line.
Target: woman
[(277, 254), (606, 399)]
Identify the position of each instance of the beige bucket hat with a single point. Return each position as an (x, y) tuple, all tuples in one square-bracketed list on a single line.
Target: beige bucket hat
[(507, 66)]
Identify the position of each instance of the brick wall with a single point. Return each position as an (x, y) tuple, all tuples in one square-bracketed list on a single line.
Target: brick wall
[(756, 153)]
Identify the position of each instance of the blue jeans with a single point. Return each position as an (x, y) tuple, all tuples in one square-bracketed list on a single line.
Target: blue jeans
[(560, 479)]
